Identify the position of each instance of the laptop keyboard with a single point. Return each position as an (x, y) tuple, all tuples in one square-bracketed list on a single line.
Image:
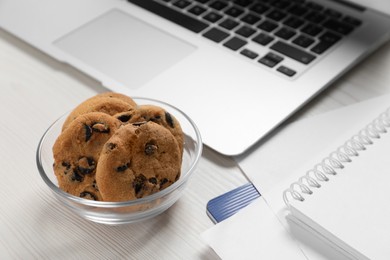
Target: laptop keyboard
[(270, 32)]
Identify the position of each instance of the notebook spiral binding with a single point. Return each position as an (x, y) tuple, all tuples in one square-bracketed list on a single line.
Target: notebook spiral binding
[(329, 166)]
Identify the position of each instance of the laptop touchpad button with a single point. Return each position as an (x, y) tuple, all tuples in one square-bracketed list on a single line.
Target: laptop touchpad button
[(125, 48)]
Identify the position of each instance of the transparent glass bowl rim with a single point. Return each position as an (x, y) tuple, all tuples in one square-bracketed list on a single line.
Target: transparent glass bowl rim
[(106, 204)]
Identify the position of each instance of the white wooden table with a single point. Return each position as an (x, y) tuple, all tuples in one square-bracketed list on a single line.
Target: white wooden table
[(35, 90)]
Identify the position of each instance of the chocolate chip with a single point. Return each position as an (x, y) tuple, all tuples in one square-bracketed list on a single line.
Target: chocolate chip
[(153, 180), (169, 119), (122, 168), (139, 183), (88, 132), (86, 165), (111, 146), (76, 176), (94, 185), (88, 195), (156, 119), (137, 187), (66, 165), (163, 181), (124, 118), (100, 128), (150, 148)]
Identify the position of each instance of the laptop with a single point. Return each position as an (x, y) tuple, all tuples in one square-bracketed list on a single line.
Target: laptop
[(238, 68)]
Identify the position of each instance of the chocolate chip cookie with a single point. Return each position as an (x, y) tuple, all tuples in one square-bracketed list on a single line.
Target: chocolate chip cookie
[(76, 153), (155, 114), (109, 102), (138, 160)]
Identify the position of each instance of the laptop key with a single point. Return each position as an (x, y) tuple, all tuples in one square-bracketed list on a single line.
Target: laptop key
[(315, 6), (259, 8), (286, 71), (263, 39), (303, 41), (228, 24), (274, 57), (315, 17), (235, 43), (338, 27), (182, 3), (285, 33), (321, 47), (293, 52), (212, 17), (276, 15), (271, 60), (249, 54), (330, 37), (327, 40), (298, 10), (294, 22), (216, 35), (281, 4), (352, 20), (267, 26), (245, 31), (197, 10), (250, 19), (174, 16), (243, 3), (234, 11), (267, 62), (267, 1), (332, 13), (312, 29), (218, 5)]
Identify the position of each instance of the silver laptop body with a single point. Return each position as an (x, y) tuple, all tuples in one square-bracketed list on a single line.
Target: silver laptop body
[(233, 98)]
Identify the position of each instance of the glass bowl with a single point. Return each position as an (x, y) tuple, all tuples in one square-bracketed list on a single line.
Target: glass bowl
[(114, 213)]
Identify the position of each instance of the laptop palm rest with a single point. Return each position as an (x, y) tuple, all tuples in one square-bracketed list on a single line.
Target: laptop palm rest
[(123, 47)]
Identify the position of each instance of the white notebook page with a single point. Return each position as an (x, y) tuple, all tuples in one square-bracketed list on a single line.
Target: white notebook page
[(354, 204)]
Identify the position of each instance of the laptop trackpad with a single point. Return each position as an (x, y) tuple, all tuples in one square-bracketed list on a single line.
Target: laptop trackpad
[(125, 48)]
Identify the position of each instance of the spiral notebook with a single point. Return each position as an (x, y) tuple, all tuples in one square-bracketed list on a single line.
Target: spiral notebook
[(344, 199)]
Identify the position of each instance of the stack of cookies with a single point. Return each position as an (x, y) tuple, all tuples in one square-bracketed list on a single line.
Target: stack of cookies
[(111, 149)]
